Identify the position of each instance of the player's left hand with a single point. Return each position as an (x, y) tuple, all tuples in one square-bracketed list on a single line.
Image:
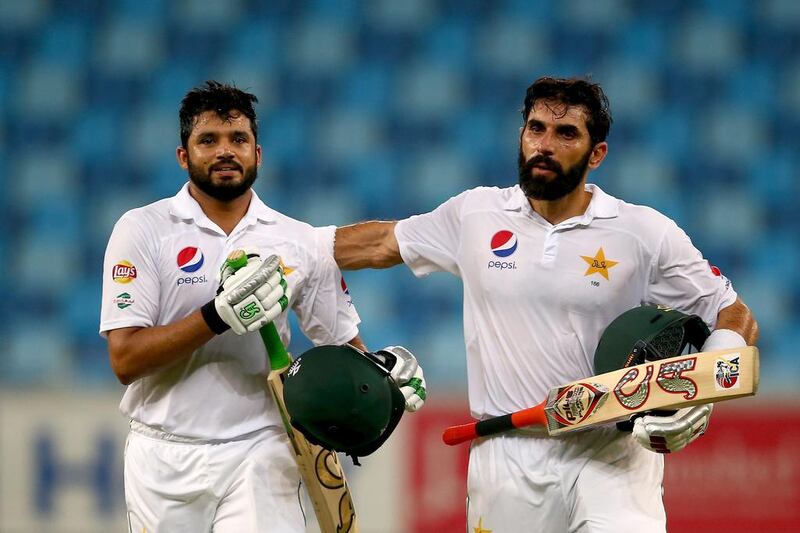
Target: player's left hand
[(667, 434), (406, 372)]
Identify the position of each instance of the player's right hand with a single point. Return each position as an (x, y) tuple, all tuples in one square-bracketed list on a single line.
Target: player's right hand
[(252, 293)]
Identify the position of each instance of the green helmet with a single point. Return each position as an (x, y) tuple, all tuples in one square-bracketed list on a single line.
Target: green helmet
[(647, 333), (343, 399)]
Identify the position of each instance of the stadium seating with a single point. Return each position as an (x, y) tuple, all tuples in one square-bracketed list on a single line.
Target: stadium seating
[(380, 110)]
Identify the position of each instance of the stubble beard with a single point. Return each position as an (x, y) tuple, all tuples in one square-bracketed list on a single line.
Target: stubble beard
[(541, 188), (224, 191)]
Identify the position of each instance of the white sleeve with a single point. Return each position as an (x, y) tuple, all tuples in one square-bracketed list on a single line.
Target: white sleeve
[(323, 306), (430, 242), (130, 278), (683, 279)]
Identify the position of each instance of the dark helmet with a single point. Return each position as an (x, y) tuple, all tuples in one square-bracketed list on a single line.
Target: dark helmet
[(647, 333), (343, 399)]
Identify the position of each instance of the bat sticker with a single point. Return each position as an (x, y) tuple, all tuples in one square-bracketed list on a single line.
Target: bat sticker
[(574, 403), (727, 372)]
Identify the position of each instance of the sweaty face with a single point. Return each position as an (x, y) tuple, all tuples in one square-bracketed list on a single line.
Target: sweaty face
[(555, 149), (222, 156)]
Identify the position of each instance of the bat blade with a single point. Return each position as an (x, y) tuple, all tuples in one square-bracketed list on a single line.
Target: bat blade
[(319, 467), (672, 383)]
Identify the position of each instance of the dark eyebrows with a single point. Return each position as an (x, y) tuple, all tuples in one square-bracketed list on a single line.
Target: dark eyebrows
[(568, 128), (213, 134), (560, 128), (534, 122)]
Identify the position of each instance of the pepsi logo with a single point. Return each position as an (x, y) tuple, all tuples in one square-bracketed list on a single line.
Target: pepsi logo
[(190, 259), (504, 243)]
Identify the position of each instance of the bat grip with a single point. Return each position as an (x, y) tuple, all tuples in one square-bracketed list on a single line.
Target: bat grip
[(278, 356), (533, 416)]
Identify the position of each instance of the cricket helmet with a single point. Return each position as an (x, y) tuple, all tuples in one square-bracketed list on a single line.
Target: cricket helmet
[(343, 399), (648, 333)]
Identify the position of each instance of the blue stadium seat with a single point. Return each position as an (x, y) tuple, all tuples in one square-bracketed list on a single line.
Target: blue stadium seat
[(65, 42), (129, 47)]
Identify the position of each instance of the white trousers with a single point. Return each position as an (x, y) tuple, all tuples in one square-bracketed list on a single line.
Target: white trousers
[(597, 481), (238, 486)]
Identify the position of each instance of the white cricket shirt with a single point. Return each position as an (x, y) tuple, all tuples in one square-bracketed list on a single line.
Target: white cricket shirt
[(538, 296), (162, 264)]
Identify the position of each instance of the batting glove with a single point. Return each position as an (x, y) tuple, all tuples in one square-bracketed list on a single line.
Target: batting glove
[(667, 434), (250, 295), (406, 372), (672, 433)]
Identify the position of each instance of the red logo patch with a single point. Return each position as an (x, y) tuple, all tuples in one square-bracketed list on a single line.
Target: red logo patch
[(123, 272)]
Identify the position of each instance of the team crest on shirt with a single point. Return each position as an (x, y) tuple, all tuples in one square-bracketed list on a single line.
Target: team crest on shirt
[(479, 528), (599, 264), (286, 269), (123, 272)]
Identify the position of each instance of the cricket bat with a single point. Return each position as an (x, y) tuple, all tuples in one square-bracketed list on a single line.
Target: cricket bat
[(320, 468), (672, 383)]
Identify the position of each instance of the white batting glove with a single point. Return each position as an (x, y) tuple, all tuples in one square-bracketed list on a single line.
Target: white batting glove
[(667, 434), (249, 296), (406, 372)]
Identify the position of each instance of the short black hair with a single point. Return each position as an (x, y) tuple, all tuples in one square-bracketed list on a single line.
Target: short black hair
[(573, 92), (220, 98)]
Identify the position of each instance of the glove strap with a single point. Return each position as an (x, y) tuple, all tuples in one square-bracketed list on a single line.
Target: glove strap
[(212, 318)]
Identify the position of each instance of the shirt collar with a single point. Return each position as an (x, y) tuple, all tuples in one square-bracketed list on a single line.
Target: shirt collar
[(602, 205), (185, 207)]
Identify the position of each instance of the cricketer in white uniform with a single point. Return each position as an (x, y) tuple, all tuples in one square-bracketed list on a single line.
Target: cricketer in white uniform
[(546, 265), (207, 450)]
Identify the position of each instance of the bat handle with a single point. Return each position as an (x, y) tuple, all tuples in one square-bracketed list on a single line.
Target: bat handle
[(458, 434), (278, 356), (532, 416)]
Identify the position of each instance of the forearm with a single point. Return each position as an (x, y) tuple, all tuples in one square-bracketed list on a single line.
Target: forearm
[(138, 352), (367, 245), (738, 317)]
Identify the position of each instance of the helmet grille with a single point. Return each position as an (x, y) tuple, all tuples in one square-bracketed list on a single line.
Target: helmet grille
[(669, 342)]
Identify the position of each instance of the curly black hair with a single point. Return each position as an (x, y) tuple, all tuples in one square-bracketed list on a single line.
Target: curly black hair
[(573, 92), (220, 98)]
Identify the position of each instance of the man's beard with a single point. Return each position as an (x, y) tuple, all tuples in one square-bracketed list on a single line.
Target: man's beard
[(226, 190), (541, 188)]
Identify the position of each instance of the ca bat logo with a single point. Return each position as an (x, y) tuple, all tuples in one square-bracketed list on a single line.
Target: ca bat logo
[(670, 379)]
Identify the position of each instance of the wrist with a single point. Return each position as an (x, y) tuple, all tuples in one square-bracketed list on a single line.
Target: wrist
[(721, 339), (212, 318)]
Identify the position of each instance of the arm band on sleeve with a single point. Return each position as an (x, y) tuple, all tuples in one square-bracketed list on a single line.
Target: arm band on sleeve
[(721, 339), (212, 318)]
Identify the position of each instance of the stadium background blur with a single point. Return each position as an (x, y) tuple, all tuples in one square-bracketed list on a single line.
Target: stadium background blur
[(374, 109)]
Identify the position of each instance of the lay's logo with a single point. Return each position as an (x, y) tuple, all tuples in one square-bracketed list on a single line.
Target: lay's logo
[(123, 272)]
